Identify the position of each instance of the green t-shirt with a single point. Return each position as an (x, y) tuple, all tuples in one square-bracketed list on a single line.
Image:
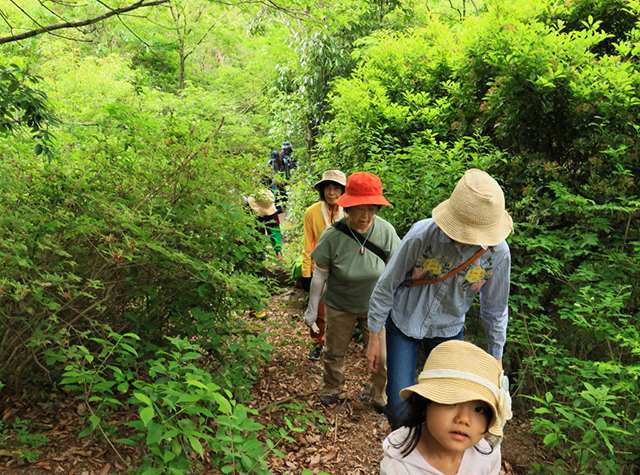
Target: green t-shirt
[(352, 275)]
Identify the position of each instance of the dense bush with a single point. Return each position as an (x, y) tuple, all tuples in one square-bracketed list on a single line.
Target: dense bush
[(147, 228)]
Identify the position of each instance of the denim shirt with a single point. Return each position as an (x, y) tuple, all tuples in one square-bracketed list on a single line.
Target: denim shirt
[(438, 309)]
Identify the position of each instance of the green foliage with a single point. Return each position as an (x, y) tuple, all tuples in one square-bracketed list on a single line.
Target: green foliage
[(24, 106), (323, 54), (136, 222), (138, 225), (20, 440), (183, 411), (396, 98), (614, 16), (573, 328), (588, 434), (101, 378), (175, 407), (129, 244)]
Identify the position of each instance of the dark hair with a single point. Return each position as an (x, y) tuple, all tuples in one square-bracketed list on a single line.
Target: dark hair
[(346, 210), (415, 420), (324, 184)]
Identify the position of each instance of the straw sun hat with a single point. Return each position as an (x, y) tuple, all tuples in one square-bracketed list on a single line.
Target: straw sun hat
[(475, 212), (332, 175), (362, 188), (456, 372), (263, 203)]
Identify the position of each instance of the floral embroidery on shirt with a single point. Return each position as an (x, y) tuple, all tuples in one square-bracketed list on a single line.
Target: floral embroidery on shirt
[(475, 275), (431, 265)]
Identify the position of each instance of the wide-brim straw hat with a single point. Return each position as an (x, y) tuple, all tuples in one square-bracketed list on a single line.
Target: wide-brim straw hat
[(332, 175), (263, 203), (362, 188), (475, 213), (456, 372)]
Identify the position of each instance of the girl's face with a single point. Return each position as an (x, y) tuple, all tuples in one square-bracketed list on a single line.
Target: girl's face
[(331, 193), (360, 217), (456, 427)]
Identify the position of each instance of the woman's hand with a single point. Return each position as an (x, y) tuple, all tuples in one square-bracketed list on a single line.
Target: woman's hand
[(373, 352), (310, 315)]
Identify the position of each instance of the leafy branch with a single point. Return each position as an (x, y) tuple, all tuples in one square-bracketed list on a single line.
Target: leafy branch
[(76, 24)]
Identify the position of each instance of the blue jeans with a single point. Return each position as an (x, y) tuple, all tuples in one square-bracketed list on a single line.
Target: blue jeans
[(402, 358)]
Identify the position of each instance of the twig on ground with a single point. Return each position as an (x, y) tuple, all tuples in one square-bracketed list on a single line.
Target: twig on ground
[(104, 434), (335, 429), (284, 399)]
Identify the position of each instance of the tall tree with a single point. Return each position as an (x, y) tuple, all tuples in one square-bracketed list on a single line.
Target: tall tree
[(324, 45), (186, 27)]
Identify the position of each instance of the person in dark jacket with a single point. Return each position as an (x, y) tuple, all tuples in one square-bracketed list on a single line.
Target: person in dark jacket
[(286, 153), (281, 173)]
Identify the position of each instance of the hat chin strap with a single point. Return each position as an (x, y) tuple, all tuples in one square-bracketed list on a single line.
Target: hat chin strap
[(501, 393)]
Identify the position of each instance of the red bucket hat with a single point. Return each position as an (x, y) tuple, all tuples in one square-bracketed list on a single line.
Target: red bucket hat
[(362, 189)]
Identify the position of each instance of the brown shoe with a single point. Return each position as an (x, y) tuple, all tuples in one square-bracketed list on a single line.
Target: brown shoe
[(328, 399)]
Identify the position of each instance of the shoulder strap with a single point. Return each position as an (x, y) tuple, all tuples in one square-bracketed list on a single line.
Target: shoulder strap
[(369, 245), (414, 282)]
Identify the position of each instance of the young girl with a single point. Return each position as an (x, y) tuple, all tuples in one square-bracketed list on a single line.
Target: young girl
[(455, 418)]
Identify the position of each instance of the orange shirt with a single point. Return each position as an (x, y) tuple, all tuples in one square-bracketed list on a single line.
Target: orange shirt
[(314, 226)]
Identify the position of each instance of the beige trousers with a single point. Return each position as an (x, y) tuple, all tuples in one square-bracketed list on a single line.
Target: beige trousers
[(338, 333)]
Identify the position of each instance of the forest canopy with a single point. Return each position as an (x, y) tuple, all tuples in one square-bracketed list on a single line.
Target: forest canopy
[(130, 133)]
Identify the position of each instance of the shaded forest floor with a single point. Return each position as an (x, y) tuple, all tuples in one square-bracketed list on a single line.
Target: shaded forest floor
[(344, 439)]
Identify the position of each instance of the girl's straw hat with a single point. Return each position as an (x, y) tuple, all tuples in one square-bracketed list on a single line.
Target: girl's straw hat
[(263, 203), (456, 372), (475, 212), (332, 175), (362, 188)]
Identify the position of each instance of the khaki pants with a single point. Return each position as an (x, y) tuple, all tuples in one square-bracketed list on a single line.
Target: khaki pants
[(338, 333)]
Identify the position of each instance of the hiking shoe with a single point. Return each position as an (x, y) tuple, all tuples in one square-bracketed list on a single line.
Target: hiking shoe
[(315, 353), (328, 399), (260, 314), (364, 395)]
